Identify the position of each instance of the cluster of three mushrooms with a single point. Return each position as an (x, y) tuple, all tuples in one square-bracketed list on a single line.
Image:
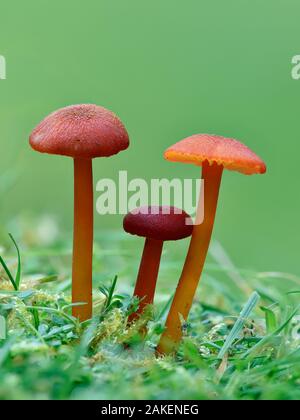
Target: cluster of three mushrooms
[(84, 132)]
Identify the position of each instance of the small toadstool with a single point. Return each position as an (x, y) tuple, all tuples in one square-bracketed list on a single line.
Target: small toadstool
[(156, 224), (213, 153), (82, 132)]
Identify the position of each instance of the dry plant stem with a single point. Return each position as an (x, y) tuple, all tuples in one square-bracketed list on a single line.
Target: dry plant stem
[(147, 276), (83, 238), (195, 260)]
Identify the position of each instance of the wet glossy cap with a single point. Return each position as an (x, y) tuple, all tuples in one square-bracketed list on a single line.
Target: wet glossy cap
[(161, 223), (86, 131), (229, 153)]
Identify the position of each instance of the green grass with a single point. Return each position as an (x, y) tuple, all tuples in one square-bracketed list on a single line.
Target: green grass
[(241, 341)]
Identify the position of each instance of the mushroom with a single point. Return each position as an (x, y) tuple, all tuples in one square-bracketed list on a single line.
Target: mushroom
[(213, 153), (82, 132), (156, 224)]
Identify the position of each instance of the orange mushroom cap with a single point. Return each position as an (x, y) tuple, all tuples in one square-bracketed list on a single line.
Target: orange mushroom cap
[(80, 131), (229, 153), (161, 223)]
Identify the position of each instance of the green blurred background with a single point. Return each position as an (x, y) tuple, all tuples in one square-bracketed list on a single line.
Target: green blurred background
[(168, 69)]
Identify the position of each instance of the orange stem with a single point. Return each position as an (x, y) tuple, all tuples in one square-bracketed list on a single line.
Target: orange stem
[(83, 238), (147, 276), (195, 260)]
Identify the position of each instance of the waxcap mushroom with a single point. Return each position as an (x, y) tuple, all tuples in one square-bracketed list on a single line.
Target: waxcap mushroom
[(83, 131), (157, 224), (213, 154), (162, 223), (229, 153)]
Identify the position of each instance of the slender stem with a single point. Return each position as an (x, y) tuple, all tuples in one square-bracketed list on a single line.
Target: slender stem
[(147, 276), (195, 260), (83, 239)]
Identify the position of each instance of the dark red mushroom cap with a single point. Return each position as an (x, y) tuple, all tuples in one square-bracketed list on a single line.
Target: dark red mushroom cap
[(161, 223), (80, 131)]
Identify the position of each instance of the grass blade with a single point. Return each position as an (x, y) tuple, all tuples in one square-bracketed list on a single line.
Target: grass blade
[(14, 281), (111, 292), (271, 321), (224, 261), (163, 312), (18, 274), (9, 275), (36, 318), (269, 337), (244, 315)]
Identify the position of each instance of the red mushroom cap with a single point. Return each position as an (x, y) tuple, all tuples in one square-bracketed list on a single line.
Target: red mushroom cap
[(80, 131), (229, 153), (161, 223)]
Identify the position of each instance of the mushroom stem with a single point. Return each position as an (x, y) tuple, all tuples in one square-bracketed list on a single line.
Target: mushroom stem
[(83, 238), (147, 276), (195, 260)]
